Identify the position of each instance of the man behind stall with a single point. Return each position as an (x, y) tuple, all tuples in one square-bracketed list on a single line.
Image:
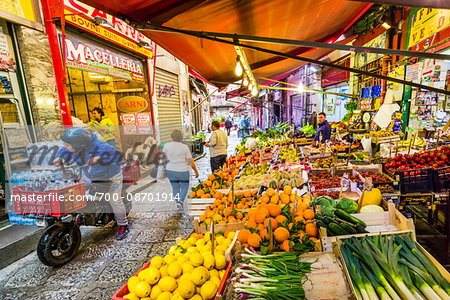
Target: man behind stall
[(324, 129), (218, 144)]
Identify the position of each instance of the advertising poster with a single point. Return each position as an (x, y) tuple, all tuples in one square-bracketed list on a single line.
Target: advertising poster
[(144, 123), (426, 98)]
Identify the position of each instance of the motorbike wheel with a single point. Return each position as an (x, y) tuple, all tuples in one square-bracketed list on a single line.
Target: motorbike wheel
[(59, 244)]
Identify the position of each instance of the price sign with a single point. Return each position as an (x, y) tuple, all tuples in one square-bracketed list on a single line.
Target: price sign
[(368, 184), (345, 182)]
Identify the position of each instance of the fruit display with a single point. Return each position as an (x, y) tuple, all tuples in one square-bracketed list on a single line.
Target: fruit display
[(323, 163), (341, 126), (414, 142), (189, 271), (359, 156), (289, 155), (377, 177), (291, 230), (207, 189), (323, 180), (436, 158), (276, 179), (224, 211), (249, 182), (252, 169), (340, 223), (340, 147)]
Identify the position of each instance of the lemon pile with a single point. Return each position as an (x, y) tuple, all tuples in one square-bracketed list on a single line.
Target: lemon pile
[(189, 271)]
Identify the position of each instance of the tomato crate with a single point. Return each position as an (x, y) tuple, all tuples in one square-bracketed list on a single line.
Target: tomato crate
[(131, 172), (56, 203), (441, 179), (416, 181)]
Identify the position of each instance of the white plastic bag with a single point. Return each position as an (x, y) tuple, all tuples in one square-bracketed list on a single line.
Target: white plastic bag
[(366, 142), (251, 144)]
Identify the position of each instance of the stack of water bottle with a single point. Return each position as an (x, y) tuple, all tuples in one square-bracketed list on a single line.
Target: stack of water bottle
[(40, 180)]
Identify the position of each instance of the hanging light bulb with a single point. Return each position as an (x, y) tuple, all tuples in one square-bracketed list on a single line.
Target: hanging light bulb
[(245, 81), (250, 87), (238, 70), (300, 87), (254, 91)]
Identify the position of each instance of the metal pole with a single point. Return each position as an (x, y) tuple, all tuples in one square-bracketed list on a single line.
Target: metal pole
[(309, 60), (252, 38), (204, 100)]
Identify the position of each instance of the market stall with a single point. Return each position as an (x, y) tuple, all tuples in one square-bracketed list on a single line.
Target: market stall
[(285, 219)]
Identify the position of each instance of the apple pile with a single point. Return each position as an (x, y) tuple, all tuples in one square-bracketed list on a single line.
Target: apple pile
[(436, 158)]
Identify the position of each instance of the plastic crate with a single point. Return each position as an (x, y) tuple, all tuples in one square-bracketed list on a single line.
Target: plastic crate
[(441, 179), (131, 172), (124, 289), (416, 181), (56, 203)]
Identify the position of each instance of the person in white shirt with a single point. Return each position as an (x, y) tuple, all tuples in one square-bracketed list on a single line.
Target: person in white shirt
[(218, 144), (179, 158)]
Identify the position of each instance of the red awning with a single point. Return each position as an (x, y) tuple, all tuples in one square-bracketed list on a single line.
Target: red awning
[(308, 20)]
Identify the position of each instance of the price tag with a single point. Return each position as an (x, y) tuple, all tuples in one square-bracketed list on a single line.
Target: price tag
[(303, 191), (345, 182), (368, 184)]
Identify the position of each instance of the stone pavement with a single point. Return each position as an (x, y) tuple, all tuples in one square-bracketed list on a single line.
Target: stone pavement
[(104, 264)]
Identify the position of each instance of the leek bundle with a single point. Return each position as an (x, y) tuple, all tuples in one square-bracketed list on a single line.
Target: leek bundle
[(392, 267)]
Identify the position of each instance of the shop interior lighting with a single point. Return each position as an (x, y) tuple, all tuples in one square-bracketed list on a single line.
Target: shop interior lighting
[(238, 70), (386, 25), (245, 82), (254, 91), (101, 22), (384, 22)]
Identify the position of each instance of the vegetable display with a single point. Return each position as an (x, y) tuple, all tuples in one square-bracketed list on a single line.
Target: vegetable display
[(341, 223), (392, 267), (347, 205), (273, 277)]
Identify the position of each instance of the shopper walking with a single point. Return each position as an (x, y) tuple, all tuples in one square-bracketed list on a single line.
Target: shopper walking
[(83, 147), (218, 144), (103, 125), (179, 157), (323, 133), (228, 125)]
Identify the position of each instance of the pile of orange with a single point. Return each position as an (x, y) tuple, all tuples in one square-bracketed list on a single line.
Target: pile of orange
[(256, 227), (214, 182)]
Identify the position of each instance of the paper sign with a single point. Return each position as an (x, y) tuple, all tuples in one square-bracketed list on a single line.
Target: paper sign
[(368, 184), (384, 115)]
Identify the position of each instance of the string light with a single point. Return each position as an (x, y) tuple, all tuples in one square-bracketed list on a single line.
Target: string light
[(300, 87), (238, 70)]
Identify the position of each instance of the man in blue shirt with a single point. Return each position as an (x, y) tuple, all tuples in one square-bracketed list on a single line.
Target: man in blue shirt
[(83, 147), (324, 129)]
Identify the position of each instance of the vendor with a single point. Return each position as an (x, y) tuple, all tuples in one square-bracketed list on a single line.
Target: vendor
[(103, 125), (324, 129)]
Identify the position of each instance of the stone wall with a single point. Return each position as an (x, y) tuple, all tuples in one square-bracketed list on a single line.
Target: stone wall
[(39, 78)]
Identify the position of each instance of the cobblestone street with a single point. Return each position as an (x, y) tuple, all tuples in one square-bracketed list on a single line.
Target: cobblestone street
[(104, 264)]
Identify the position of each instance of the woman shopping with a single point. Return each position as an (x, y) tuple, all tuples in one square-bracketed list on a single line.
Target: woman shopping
[(179, 158)]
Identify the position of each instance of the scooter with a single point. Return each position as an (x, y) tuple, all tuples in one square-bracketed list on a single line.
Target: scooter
[(61, 240)]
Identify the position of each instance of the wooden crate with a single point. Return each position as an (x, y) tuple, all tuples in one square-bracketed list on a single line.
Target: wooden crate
[(389, 221), (197, 206), (337, 252), (218, 227)]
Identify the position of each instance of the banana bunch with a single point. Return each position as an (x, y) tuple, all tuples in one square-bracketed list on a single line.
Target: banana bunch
[(290, 155), (418, 142), (255, 169)]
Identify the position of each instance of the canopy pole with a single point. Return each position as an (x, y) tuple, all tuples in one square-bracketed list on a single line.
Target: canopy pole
[(207, 97), (317, 62), (252, 38)]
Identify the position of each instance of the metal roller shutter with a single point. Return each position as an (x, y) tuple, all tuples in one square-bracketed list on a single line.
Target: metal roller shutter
[(168, 100)]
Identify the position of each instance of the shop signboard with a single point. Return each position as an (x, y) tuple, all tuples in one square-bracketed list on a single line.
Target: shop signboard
[(92, 57), (426, 22), (363, 58), (81, 15), (7, 61), (25, 12), (132, 104)]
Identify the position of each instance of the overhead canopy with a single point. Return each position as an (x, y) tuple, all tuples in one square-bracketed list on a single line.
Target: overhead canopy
[(308, 20)]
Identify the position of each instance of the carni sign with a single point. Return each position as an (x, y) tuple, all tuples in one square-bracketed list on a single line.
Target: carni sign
[(132, 104), (92, 57)]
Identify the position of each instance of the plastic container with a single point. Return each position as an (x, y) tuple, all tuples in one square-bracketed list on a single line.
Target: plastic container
[(56, 203), (441, 179), (416, 181)]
